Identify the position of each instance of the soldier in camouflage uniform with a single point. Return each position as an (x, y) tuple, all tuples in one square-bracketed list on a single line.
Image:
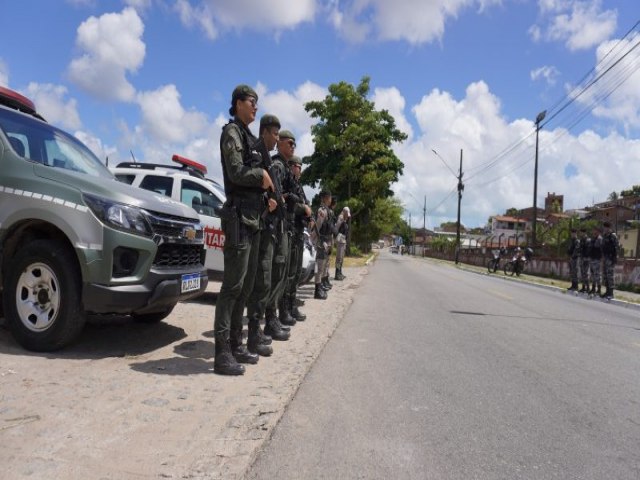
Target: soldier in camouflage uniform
[(299, 213), (286, 146), (263, 287), (596, 260), (342, 231), (322, 234), (574, 254), (585, 259), (257, 341), (610, 247), (245, 182)]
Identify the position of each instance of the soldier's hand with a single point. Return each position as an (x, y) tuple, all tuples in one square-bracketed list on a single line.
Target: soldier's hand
[(272, 204), (267, 184), (307, 211)]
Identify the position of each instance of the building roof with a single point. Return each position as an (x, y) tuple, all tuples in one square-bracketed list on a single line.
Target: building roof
[(505, 218)]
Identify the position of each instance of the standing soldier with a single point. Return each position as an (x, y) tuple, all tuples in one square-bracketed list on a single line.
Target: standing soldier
[(610, 255), (286, 147), (574, 252), (596, 259), (298, 212), (342, 227), (585, 262), (262, 290), (245, 182), (322, 235), (331, 221)]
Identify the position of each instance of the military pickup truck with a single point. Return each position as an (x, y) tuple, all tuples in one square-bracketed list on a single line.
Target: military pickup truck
[(75, 241)]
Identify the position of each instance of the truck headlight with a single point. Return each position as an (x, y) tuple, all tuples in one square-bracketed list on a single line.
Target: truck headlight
[(118, 215)]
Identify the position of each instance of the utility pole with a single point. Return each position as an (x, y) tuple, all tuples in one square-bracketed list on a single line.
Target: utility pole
[(460, 189), (424, 215), (539, 119)]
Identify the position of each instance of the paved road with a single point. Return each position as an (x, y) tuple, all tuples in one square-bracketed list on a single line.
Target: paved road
[(438, 373)]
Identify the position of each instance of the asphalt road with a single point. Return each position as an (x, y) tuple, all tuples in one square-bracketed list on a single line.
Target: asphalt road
[(439, 373)]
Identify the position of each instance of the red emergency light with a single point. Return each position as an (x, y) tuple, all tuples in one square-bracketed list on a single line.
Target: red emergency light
[(15, 100), (189, 163)]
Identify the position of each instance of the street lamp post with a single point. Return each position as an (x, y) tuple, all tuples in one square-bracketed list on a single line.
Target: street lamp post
[(539, 119)]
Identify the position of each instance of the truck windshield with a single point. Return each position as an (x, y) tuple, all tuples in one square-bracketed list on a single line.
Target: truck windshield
[(40, 142)]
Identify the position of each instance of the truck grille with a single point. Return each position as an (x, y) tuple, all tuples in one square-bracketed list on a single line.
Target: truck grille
[(172, 227), (177, 255)]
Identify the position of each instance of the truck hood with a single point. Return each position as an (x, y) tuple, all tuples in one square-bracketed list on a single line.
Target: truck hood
[(120, 192)]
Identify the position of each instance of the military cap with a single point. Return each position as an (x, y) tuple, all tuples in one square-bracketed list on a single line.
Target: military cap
[(269, 120), (287, 134), (295, 159), (241, 92), (606, 224), (325, 193)]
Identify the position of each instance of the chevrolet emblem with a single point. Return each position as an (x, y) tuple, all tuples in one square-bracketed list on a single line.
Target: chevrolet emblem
[(189, 233)]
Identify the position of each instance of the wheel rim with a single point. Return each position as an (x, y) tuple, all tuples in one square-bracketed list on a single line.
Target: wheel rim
[(38, 297)]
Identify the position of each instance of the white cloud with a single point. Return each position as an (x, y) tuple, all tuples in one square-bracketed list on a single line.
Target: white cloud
[(289, 108), (4, 74), (112, 46), (51, 104), (139, 5), (214, 15), (546, 72), (496, 178), (618, 91), (414, 21), (391, 99), (579, 24), (99, 149), (164, 118)]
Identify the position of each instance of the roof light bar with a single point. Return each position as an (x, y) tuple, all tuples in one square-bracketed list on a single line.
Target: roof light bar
[(189, 163)]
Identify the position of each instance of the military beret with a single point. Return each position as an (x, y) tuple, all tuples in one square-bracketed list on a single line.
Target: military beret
[(269, 120), (241, 92), (287, 134), (295, 159)]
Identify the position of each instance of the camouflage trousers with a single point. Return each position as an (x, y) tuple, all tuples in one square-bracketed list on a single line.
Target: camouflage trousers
[(573, 269), (584, 270), (595, 272), (609, 265)]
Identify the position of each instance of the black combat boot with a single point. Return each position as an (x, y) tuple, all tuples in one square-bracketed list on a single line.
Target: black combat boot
[(239, 351), (283, 312), (599, 291), (573, 287), (270, 316), (258, 342), (593, 289), (326, 284), (274, 328), (606, 293), (295, 312), (339, 276), (585, 288), (320, 292), (299, 302), (225, 363)]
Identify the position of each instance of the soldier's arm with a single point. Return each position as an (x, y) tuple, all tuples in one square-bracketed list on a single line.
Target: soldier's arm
[(238, 172)]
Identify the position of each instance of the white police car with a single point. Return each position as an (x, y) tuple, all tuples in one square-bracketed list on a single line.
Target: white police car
[(186, 182)]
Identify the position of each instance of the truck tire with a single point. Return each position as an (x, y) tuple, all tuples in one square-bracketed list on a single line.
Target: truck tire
[(154, 317), (42, 296)]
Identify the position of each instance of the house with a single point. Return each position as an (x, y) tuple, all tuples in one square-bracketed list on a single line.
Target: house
[(507, 230)]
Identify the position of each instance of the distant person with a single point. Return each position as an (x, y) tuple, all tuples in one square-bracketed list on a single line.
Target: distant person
[(585, 259), (342, 228), (610, 248), (596, 260)]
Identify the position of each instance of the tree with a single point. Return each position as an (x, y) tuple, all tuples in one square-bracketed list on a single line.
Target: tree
[(353, 157), (512, 212), (632, 192), (613, 196)]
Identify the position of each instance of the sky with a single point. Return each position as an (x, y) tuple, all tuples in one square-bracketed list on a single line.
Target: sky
[(154, 77)]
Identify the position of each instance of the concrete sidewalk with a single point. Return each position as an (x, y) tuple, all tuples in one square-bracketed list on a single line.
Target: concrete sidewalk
[(131, 401)]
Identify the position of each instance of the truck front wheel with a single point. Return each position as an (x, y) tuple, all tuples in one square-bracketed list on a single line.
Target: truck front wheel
[(42, 296)]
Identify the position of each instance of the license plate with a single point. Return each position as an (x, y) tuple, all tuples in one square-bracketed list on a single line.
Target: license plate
[(190, 282)]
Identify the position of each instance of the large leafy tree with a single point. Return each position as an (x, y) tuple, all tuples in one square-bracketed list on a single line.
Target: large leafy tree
[(353, 157)]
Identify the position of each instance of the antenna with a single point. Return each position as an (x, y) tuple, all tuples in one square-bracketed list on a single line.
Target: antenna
[(132, 156)]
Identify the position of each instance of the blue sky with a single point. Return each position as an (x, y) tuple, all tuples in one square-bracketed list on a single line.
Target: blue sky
[(154, 77)]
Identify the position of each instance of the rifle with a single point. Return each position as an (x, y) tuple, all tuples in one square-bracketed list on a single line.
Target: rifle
[(267, 163)]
